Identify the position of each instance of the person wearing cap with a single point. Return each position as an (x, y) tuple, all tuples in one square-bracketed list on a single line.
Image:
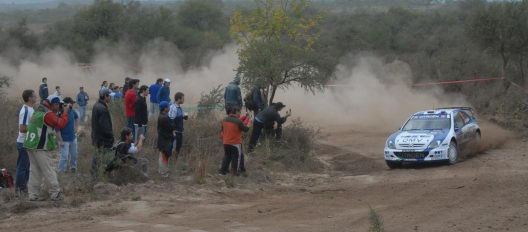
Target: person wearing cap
[(41, 142), (130, 101), (165, 138), (141, 113), (102, 134), (68, 140), (154, 102), (232, 95), (267, 117), (82, 101), (164, 91)]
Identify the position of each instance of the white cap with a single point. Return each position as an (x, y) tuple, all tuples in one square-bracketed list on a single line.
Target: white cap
[(167, 80)]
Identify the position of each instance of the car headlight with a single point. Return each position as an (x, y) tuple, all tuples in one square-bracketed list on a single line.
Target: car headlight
[(434, 144), (390, 144)]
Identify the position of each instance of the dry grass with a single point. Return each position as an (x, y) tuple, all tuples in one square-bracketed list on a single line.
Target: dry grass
[(376, 223)]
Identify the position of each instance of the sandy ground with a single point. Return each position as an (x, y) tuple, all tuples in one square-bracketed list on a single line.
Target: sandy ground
[(485, 192)]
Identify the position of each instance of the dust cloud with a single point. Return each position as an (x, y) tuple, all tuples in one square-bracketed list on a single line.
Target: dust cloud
[(369, 94), (159, 60)]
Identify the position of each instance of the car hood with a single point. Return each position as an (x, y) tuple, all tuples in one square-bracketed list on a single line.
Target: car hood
[(417, 139)]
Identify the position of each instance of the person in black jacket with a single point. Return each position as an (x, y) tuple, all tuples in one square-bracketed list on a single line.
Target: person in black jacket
[(102, 135), (43, 89), (141, 112), (125, 86), (267, 117), (165, 138)]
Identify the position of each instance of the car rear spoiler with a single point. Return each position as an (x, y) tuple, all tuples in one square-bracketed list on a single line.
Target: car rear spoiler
[(468, 110)]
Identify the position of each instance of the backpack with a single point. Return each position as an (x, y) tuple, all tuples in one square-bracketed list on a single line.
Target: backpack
[(6, 180), (249, 103)]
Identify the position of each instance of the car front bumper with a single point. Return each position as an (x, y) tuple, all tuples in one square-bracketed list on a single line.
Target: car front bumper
[(427, 155)]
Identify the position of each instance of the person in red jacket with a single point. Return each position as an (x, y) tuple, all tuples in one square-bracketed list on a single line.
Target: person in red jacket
[(232, 128), (130, 100)]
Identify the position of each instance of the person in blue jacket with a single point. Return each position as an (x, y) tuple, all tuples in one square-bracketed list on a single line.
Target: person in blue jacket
[(233, 95), (164, 91), (154, 103)]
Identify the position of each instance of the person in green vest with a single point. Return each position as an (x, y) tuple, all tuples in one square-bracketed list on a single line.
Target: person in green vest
[(40, 143)]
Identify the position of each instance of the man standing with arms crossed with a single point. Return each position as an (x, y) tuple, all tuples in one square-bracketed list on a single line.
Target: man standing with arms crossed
[(43, 89), (82, 100), (40, 143), (102, 134), (140, 108), (154, 102), (24, 117)]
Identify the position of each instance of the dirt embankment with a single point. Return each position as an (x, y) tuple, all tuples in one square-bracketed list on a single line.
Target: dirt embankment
[(486, 192)]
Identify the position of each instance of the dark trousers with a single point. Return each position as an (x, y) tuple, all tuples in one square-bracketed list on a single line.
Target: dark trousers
[(178, 142), (22, 168), (255, 134), (130, 123), (235, 157)]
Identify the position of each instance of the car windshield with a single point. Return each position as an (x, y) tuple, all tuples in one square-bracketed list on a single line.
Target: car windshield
[(428, 122)]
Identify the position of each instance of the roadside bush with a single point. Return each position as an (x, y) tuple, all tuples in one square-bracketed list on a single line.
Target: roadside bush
[(9, 133), (294, 152)]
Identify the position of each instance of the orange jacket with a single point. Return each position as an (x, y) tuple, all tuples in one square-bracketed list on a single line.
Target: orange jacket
[(232, 129)]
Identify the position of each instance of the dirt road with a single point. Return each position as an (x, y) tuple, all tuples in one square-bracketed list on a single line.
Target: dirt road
[(486, 192)]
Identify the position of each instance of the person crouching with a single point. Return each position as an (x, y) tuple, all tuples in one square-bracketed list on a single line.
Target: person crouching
[(232, 128), (125, 151)]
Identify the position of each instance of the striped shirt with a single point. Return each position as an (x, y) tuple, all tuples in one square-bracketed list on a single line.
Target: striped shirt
[(26, 112)]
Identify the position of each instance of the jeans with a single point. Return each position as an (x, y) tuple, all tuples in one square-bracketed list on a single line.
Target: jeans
[(154, 109), (130, 124), (82, 112), (22, 168), (178, 143), (68, 155), (255, 134), (139, 130)]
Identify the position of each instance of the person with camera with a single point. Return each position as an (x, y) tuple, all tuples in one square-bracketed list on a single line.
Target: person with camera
[(68, 139), (41, 142), (268, 116), (125, 153)]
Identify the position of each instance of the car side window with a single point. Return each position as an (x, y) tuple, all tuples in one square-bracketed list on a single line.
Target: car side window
[(465, 117), (459, 121)]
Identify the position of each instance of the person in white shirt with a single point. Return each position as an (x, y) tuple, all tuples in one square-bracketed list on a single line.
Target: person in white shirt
[(56, 94), (24, 117), (125, 153)]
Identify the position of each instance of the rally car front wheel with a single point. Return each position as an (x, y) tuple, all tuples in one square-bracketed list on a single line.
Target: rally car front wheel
[(452, 153)]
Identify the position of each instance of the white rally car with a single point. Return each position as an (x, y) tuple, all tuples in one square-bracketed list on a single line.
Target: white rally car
[(434, 135)]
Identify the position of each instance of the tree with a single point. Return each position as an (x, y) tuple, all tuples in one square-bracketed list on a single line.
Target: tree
[(502, 28), (277, 42)]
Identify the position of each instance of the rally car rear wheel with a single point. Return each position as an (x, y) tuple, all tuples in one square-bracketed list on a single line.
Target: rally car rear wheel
[(452, 153)]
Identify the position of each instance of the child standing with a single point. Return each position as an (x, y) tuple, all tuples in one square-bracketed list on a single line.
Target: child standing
[(232, 127)]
